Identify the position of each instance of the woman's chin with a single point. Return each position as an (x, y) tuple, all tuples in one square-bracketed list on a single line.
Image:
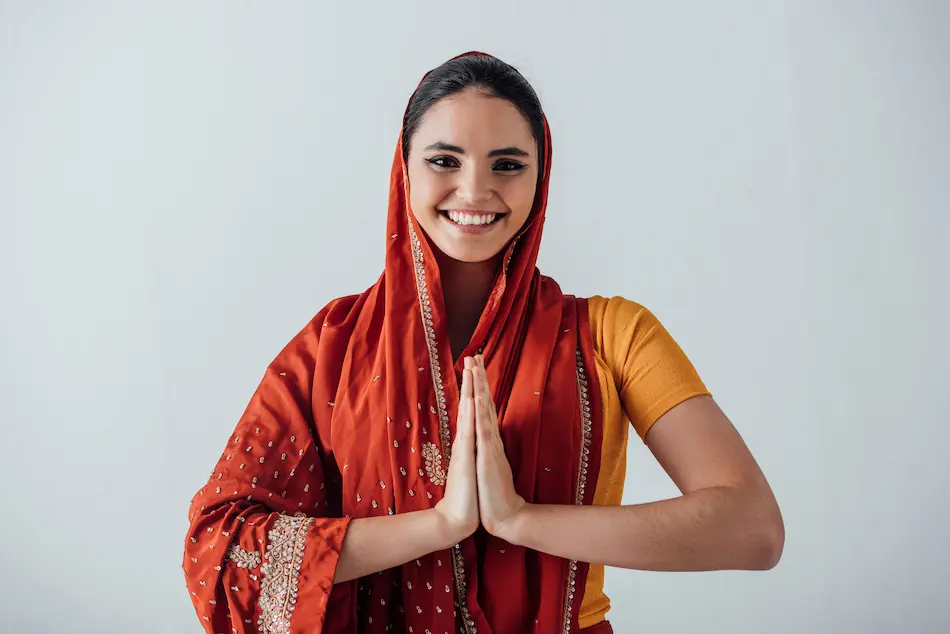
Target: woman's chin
[(463, 245), (468, 253), (468, 257)]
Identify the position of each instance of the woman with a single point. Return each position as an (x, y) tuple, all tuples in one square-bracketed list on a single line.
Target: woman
[(446, 450)]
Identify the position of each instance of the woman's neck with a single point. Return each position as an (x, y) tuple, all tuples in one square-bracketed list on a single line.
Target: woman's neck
[(465, 289)]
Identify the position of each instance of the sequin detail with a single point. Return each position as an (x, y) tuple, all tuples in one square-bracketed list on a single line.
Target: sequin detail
[(584, 401), (284, 554), (434, 468), (244, 558)]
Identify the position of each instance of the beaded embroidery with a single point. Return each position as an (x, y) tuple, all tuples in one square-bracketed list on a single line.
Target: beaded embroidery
[(244, 558), (284, 554), (434, 467), (583, 395)]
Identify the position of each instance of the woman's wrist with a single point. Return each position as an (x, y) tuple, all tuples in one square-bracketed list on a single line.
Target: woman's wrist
[(513, 530), (447, 532)]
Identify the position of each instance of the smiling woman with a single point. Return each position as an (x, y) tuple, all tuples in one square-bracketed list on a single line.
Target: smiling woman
[(446, 451)]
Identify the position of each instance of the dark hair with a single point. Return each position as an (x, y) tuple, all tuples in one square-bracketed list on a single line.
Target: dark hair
[(480, 71)]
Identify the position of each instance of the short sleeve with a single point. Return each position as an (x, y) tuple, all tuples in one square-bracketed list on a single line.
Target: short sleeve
[(650, 370)]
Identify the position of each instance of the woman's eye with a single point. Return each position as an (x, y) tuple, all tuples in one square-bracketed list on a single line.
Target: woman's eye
[(509, 166), (443, 161)]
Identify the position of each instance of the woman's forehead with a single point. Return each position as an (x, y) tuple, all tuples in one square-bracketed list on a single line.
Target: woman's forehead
[(476, 122)]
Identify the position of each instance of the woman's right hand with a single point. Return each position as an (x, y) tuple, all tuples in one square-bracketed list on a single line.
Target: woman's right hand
[(458, 508)]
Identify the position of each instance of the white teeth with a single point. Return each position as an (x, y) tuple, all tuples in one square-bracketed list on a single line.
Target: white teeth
[(470, 219)]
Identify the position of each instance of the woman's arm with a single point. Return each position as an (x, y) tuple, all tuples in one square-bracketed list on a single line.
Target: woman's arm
[(262, 538), (727, 517), (379, 543)]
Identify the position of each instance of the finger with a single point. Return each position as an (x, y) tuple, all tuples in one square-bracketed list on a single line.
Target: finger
[(481, 404), (468, 381), (479, 361), (467, 391), (486, 427), (470, 396), (485, 404), (482, 419), (492, 411), (467, 400), (481, 381), (465, 429)]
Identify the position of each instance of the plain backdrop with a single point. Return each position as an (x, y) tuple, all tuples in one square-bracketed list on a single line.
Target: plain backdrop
[(183, 185)]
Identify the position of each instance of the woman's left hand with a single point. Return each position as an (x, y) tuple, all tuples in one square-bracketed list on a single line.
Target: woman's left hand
[(498, 502)]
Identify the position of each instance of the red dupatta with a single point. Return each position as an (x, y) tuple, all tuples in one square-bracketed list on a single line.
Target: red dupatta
[(355, 419)]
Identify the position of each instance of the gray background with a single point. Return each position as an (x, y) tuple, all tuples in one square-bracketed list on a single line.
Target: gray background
[(183, 185)]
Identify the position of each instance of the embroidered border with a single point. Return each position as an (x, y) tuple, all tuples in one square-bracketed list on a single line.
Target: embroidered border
[(429, 325), (249, 559), (584, 402), (284, 554), (458, 558), (511, 253), (461, 590), (584, 399)]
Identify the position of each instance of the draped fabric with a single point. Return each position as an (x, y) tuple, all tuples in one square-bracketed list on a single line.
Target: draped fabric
[(355, 418)]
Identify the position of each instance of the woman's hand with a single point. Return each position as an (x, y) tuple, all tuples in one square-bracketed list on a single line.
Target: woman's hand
[(498, 502), (458, 508)]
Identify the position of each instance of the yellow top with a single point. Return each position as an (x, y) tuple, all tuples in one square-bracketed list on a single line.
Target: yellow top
[(643, 374)]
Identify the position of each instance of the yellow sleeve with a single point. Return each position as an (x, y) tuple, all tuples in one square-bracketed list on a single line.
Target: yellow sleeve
[(650, 370)]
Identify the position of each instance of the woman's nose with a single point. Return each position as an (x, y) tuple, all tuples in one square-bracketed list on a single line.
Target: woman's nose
[(474, 188)]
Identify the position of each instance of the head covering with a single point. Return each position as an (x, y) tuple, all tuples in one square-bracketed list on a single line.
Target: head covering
[(363, 403)]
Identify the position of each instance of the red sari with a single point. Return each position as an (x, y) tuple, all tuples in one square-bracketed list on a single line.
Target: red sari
[(355, 419)]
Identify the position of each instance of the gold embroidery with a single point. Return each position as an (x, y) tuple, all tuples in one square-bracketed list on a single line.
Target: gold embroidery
[(584, 401), (433, 348), (511, 252), (434, 467), (284, 554), (458, 559), (244, 558)]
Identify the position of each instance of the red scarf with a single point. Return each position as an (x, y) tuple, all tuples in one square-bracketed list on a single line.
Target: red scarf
[(355, 419)]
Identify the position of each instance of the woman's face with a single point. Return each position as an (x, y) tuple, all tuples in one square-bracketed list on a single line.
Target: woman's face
[(473, 171)]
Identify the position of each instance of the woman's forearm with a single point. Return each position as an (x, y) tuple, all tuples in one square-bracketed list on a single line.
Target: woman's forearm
[(379, 543), (719, 528)]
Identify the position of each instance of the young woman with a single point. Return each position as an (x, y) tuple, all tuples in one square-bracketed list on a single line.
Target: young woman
[(446, 451)]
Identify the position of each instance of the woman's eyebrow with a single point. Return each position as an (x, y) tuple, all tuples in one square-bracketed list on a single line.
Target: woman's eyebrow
[(508, 151), (442, 146), (445, 147)]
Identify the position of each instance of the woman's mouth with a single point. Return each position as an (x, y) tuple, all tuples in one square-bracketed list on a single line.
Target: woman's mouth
[(469, 221)]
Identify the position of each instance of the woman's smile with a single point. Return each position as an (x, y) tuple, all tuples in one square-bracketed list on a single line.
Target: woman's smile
[(472, 222)]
